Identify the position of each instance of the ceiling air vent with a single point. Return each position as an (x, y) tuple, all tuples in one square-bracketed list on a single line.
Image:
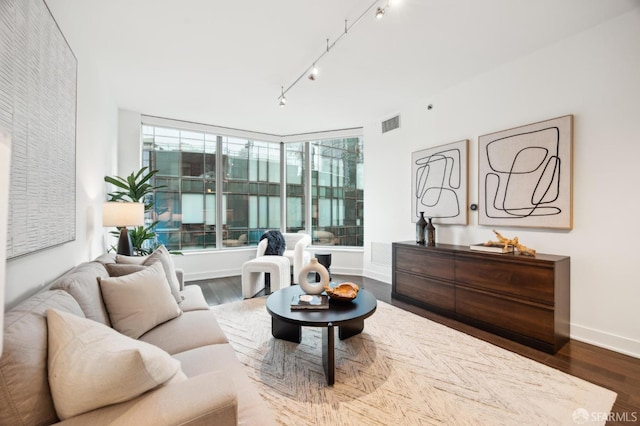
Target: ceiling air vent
[(390, 124)]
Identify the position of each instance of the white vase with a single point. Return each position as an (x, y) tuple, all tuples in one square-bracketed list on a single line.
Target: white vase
[(313, 288)]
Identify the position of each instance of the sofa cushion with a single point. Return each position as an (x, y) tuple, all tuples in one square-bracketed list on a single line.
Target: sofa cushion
[(252, 409), (140, 301), (82, 283), (162, 255), (92, 365), (190, 330), (193, 299), (25, 398)]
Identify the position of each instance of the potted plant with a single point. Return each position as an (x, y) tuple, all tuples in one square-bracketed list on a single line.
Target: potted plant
[(137, 189)]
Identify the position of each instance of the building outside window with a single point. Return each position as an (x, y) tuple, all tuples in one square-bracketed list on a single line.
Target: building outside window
[(296, 179), (222, 192), (337, 192), (185, 205), (251, 190)]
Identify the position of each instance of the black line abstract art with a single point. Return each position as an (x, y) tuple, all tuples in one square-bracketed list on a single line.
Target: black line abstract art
[(439, 183), (525, 175)]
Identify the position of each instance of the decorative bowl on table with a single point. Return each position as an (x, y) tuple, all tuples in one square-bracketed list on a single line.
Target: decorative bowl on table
[(343, 292)]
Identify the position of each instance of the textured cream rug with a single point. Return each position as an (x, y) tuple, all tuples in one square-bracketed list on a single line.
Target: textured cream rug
[(403, 370)]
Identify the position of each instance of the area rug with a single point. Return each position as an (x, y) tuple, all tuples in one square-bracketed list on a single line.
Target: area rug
[(403, 370)]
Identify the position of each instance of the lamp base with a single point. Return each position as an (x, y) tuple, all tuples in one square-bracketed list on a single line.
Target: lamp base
[(125, 247)]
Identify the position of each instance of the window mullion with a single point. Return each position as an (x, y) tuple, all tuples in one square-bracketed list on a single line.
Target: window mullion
[(308, 202), (219, 191), (283, 188)]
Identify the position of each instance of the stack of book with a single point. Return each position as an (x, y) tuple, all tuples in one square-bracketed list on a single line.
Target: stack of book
[(491, 249), (310, 302)]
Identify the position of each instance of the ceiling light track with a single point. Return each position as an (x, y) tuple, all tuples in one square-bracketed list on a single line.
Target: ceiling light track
[(312, 71)]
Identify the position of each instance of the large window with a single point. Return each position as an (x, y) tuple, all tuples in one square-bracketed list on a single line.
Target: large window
[(219, 192), (251, 190), (337, 192), (185, 205), (296, 175)]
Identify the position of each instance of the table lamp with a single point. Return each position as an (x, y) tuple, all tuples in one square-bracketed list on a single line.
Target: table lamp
[(121, 215)]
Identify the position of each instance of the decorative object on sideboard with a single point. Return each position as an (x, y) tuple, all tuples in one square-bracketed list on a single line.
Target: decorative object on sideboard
[(121, 215), (509, 244), (431, 234), (491, 249), (316, 287), (421, 228), (439, 178)]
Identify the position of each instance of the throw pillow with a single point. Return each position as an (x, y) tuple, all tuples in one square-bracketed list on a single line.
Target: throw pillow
[(160, 254), (91, 365), (276, 244), (138, 302), (130, 260), (120, 269)]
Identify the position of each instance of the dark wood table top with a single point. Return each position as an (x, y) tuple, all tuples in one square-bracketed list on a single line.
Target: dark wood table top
[(279, 306)]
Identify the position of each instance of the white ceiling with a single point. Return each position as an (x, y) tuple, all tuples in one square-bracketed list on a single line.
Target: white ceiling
[(223, 62)]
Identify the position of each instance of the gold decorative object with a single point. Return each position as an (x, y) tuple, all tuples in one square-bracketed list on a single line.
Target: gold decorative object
[(505, 242), (343, 291)]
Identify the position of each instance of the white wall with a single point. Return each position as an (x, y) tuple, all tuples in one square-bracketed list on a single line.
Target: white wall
[(96, 136), (129, 142), (595, 77)]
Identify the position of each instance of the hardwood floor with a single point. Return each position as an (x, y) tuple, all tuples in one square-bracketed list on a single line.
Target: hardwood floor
[(609, 369)]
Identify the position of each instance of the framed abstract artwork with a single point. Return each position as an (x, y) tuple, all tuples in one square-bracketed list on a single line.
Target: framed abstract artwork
[(525, 175), (439, 183), (38, 112)]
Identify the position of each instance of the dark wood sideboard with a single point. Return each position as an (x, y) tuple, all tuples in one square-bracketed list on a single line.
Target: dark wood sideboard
[(523, 298)]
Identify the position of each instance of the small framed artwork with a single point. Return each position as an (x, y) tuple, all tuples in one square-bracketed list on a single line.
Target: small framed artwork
[(439, 183), (525, 175)]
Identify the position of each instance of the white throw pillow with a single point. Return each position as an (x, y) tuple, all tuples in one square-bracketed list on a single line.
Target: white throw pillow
[(162, 255), (138, 302), (91, 365)]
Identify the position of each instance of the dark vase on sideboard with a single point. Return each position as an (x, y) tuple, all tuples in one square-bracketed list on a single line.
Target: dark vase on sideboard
[(431, 234), (421, 226)]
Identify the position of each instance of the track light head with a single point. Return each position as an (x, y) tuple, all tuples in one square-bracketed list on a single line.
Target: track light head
[(379, 13), (314, 73), (283, 100)]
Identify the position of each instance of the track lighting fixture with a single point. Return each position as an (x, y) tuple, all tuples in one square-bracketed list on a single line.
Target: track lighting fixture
[(312, 72), (283, 100)]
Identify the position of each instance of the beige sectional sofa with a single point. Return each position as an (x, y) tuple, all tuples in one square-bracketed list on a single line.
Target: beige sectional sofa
[(38, 374)]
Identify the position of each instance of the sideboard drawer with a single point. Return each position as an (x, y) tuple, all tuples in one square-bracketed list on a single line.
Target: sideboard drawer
[(421, 261), (518, 279), (524, 319), (428, 291)]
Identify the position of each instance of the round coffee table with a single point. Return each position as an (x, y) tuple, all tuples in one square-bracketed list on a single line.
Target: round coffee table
[(286, 324)]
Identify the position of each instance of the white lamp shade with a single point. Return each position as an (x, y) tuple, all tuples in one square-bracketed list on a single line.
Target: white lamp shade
[(122, 214)]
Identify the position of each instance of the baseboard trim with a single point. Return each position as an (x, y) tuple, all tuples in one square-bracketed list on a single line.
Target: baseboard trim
[(378, 276), (209, 275), (599, 338)]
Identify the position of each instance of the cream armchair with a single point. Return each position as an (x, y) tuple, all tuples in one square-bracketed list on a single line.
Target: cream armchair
[(295, 251)]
